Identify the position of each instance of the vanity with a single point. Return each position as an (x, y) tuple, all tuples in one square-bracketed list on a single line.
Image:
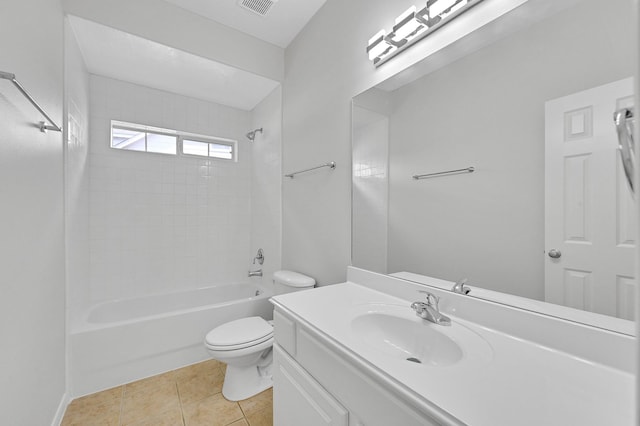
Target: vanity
[(357, 354)]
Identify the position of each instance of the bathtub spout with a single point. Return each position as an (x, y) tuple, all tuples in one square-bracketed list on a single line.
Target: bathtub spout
[(257, 273)]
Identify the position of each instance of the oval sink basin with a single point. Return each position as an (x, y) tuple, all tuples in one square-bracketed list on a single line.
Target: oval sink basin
[(397, 332)]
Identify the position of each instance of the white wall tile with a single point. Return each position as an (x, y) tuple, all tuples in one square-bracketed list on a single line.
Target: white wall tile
[(156, 220)]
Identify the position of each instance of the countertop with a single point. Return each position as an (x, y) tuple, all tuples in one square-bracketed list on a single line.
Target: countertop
[(510, 381)]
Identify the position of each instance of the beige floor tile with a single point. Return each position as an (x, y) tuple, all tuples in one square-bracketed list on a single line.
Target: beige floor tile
[(212, 411), (171, 417), (258, 402), (200, 369), (101, 397), (149, 402), (199, 387), (99, 408), (187, 396), (262, 417), (90, 420), (150, 383)]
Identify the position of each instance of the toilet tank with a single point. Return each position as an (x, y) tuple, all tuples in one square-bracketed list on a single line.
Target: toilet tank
[(289, 281)]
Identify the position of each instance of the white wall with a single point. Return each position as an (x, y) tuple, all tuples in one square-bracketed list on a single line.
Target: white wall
[(32, 327), (266, 188), (162, 223), (76, 115), (487, 111), (325, 66)]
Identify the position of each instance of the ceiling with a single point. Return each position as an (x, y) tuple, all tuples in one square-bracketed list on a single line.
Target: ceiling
[(123, 56), (279, 26)]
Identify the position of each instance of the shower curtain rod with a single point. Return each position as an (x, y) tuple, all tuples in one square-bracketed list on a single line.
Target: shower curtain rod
[(43, 126)]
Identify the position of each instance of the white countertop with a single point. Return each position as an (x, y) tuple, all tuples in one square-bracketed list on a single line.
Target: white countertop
[(517, 382)]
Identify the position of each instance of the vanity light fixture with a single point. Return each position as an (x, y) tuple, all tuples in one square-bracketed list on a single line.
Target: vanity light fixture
[(406, 27), (377, 47), (413, 25)]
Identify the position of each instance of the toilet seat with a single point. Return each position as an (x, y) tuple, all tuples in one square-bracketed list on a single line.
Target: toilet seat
[(239, 334)]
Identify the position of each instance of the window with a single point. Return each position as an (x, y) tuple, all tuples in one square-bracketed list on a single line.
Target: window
[(135, 137), (207, 149), (143, 139)]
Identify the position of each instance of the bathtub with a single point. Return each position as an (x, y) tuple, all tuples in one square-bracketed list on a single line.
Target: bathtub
[(125, 340)]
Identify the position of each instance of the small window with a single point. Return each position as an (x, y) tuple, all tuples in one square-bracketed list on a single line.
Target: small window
[(137, 137), (143, 139), (208, 148)]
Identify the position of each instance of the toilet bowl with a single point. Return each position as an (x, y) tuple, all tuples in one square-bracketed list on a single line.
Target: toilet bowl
[(245, 345)]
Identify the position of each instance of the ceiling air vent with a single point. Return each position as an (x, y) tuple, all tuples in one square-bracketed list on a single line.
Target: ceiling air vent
[(261, 7)]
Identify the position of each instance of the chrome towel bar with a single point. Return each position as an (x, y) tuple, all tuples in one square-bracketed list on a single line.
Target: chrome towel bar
[(331, 165), (448, 172), (43, 126)]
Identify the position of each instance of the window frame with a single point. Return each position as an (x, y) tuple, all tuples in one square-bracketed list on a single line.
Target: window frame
[(180, 137)]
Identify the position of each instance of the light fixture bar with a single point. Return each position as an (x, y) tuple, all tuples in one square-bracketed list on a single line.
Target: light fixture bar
[(412, 26), (439, 6)]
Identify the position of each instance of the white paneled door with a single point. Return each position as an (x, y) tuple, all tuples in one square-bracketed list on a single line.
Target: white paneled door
[(590, 224)]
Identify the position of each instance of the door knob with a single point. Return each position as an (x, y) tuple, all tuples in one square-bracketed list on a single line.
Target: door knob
[(555, 254)]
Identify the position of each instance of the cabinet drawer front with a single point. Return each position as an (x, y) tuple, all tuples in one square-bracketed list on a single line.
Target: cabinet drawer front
[(285, 332), (298, 399), (365, 398)]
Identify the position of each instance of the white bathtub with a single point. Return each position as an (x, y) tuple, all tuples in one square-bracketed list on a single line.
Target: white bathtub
[(126, 340)]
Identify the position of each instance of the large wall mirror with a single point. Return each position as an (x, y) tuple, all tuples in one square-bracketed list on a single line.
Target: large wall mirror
[(546, 214)]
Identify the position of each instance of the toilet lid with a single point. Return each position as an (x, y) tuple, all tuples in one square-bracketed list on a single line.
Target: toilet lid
[(242, 332)]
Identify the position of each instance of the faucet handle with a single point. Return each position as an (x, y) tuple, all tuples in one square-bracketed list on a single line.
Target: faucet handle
[(432, 299), (259, 257)]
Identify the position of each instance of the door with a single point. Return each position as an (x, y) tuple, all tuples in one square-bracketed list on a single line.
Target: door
[(590, 224)]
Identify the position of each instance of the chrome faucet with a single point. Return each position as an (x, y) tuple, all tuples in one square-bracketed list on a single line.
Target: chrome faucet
[(256, 273), (460, 287), (429, 310)]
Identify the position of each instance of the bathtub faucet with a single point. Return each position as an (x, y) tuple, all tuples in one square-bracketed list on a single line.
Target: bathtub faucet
[(257, 273)]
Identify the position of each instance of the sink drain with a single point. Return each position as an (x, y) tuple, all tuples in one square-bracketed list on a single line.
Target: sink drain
[(416, 360)]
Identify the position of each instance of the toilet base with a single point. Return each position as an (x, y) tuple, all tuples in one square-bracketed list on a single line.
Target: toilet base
[(244, 382)]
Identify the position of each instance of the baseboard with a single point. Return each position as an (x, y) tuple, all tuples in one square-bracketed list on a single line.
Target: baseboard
[(62, 407)]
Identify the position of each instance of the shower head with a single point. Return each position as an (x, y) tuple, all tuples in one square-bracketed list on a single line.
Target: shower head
[(252, 134)]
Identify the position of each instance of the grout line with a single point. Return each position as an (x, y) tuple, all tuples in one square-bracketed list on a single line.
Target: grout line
[(241, 410), (121, 406), (184, 422)]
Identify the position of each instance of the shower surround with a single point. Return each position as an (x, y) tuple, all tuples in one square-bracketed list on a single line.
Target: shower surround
[(161, 223)]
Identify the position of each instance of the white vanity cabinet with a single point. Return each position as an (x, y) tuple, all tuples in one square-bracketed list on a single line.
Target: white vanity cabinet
[(341, 350), (315, 385)]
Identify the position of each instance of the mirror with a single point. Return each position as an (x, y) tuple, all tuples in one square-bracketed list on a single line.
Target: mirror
[(530, 220)]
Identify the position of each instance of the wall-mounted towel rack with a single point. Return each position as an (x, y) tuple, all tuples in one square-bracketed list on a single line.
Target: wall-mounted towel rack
[(43, 126), (331, 165), (448, 172)]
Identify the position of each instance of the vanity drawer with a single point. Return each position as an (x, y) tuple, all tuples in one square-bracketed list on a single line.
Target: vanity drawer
[(285, 332), (366, 399), (298, 399)]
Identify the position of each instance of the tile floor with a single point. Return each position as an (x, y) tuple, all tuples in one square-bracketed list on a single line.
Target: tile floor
[(190, 396)]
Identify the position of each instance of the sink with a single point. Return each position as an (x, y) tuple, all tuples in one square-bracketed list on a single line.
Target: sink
[(396, 332)]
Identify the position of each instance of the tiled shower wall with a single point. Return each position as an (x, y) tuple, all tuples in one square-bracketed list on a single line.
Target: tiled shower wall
[(161, 223)]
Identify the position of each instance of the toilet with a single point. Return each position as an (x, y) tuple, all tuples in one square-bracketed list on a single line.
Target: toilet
[(245, 344)]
